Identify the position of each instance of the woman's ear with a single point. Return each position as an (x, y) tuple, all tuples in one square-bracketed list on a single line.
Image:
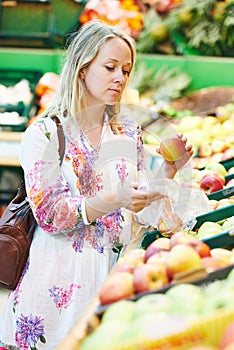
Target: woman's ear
[(82, 74)]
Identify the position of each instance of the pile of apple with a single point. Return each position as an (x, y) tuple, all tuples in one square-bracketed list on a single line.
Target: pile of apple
[(210, 229), (161, 320), (212, 178), (165, 261)]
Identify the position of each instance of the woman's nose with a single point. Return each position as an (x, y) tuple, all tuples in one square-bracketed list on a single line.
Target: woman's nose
[(119, 76)]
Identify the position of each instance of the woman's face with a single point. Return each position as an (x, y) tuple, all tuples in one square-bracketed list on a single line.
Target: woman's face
[(106, 77)]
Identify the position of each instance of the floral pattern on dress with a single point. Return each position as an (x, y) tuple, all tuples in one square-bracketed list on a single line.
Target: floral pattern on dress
[(62, 297), (29, 331), (17, 291), (54, 208), (122, 170)]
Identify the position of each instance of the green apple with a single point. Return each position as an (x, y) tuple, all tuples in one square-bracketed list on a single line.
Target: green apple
[(186, 298), (122, 310), (217, 167), (228, 224), (105, 336), (208, 229), (219, 301), (156, 302)]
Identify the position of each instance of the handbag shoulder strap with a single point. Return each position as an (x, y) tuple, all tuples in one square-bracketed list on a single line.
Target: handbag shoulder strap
[(60, 138)]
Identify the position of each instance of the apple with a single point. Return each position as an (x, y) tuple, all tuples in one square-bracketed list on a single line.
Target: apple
[(228, 154), (228, 224), (213, 204), (205, 150), (158, 257), (211, 183), (224, 202), (181, 258), (157, 246), (183, 238), (222, 254), (218, 145), (169, 223), (149, 277), (211, 263), (230, 171), (156, 302), (116, 287), (208, 229), (230, 183), (186, 296), (133, 258), (120, 310), (105, 335), (228, 337), (172, 148), (217, 167), (222, 300)]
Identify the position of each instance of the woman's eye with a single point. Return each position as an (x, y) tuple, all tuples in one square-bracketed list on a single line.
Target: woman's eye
[(126, 72), (109, 68)]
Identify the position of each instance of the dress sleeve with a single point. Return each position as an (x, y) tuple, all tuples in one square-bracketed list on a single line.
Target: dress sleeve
[(53, 206)]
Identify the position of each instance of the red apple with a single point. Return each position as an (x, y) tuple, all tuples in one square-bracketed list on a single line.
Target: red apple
[(159, 257), (211, 183), (157, 246), (149, 277), (172, 148), (183, 238), (230, 183), (182, 258), (116, 287)]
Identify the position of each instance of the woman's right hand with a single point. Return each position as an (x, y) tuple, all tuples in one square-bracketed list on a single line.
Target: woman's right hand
[(140, 198)]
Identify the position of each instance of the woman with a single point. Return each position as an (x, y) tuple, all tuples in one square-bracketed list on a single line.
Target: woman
[(85, 206)]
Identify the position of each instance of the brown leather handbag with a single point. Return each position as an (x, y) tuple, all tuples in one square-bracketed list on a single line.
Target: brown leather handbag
[(17, 225)]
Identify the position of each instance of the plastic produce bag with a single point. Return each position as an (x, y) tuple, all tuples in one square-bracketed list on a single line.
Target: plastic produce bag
[(178, 210)]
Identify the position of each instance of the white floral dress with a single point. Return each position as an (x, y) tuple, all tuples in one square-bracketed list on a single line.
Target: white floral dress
[(68, 260)]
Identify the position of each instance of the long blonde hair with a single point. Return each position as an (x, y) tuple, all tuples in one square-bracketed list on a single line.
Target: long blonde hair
[(83, 47)]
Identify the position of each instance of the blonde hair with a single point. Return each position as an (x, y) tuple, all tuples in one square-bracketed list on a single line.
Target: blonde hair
[(83, 47)]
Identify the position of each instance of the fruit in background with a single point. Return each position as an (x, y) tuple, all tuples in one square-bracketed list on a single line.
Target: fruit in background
[(218, 145), (149, 277), (157, 246), (211, 263), (133, 258), (213, 204), (227, 337), (217, 167), (172, 148), (230, 170), (224, 202), (183, 238), (228, 154), (211, 183), (157, 302), (181, 258), (121, 310), (105, 335), (186, 297), (208, 229), (205, 150), (221, 254), (230, 183), (116, 287), (228, 224), (159, 257), (169, 223)]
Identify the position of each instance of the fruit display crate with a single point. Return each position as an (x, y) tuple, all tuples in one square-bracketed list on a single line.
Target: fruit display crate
[(216, 241), (9, 78)]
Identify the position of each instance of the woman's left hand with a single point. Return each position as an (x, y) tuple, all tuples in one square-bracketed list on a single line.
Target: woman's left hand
[(171, 167)]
